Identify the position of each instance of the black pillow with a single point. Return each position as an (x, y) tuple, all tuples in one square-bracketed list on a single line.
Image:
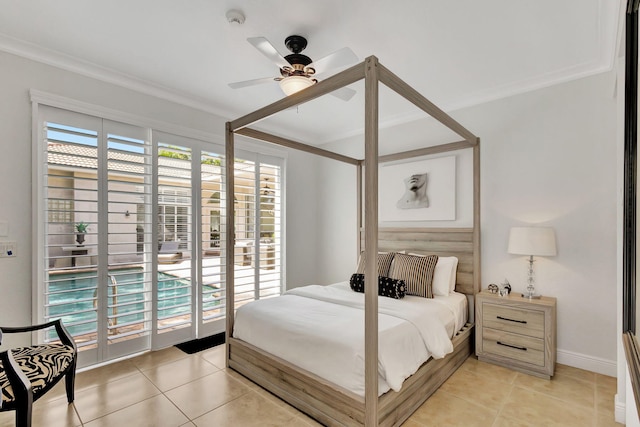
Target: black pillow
[(387, 287)]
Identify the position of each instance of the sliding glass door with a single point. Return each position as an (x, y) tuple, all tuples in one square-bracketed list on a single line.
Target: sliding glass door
[(133, 229)]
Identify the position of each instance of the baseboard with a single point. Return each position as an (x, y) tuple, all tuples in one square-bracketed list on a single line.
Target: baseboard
[(620, 410), (589, 363)]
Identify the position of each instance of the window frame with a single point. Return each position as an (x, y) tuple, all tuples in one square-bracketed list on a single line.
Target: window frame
[(40, 102)]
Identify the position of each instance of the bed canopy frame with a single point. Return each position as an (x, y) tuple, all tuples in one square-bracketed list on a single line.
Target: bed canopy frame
[(327, 403)]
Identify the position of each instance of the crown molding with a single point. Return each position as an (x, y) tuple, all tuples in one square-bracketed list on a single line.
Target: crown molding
[(611, 16), (89, 69)]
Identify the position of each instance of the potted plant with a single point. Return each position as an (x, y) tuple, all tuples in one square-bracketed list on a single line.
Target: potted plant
[(81, 229)]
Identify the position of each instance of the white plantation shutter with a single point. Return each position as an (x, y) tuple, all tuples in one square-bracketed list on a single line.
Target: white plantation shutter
[(270, 242), (71, 194), (258, 193), (149, 270), (175, 236), (129, 268), (213, 205)]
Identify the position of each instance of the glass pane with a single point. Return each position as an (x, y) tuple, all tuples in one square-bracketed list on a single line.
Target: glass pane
[(174, 295), (270, 241), (71, 192), (213, 227), (129, 278)]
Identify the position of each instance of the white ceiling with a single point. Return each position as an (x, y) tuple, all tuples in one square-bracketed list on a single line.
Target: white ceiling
[(455, 52)]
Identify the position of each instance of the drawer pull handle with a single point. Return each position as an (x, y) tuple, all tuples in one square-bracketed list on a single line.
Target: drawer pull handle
[(511, 320), (512, 346)]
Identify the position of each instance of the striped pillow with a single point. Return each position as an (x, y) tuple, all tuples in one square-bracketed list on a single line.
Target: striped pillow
[(384, 263), (417, 273)]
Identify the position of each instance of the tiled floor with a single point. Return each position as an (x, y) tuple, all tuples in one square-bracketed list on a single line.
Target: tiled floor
[(171, 388)]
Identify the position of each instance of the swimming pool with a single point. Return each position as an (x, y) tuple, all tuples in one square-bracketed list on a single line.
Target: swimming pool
[(71, 296)]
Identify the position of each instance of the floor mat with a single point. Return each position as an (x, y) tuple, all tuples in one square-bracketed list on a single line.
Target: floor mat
[(197, 345)]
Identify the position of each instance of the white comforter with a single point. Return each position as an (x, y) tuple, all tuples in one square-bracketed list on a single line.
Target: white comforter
[(321, 329)]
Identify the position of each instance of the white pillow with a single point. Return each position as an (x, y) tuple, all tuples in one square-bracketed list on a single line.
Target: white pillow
[(444, 275), (454, 272)]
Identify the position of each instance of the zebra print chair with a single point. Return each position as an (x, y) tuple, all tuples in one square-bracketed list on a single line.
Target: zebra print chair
[(27, 373)]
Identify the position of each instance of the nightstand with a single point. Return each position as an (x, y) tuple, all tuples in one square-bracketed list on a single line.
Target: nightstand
[(517, 332)]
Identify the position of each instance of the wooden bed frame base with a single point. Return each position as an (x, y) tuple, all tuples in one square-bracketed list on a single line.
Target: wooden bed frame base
[(335, 406)]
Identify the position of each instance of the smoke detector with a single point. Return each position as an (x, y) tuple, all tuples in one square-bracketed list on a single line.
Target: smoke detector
[(235, 17)]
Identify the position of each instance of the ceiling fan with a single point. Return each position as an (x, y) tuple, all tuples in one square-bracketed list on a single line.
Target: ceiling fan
[(298, 71)]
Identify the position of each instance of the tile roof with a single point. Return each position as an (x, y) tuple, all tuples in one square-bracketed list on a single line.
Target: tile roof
[(86, 157)]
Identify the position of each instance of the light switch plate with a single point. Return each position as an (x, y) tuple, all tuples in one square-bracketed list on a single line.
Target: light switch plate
[(8, 249)]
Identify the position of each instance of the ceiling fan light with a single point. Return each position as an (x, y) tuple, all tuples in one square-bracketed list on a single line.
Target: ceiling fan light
[(293, 84)]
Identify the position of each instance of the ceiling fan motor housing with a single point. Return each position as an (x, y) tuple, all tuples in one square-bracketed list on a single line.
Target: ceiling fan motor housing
[(295, 44), (298, 61)]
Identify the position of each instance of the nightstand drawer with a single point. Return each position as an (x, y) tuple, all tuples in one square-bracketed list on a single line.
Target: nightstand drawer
[(516, 320), (513, 346)]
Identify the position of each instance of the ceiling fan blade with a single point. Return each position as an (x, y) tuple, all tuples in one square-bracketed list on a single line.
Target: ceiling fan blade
[(238, 85), (344, 93), (339, 58), (266, 48)]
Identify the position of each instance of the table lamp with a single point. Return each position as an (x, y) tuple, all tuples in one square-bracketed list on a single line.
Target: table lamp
[(532, 241)]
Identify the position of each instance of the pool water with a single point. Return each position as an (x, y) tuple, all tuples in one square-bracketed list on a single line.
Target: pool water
[(71, 296)]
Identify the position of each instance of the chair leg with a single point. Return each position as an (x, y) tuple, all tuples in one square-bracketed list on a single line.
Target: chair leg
[(70, 379), (23, 412)]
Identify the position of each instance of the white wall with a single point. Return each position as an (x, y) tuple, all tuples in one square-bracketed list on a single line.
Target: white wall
[(549, 158), (17, 77)]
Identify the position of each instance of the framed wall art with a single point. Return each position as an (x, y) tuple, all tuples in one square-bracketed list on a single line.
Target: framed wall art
[(423, 190)]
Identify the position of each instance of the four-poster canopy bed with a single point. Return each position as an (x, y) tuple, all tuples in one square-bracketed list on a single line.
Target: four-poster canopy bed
[(321, 399)]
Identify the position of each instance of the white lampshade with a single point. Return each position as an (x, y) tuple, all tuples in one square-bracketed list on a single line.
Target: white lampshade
[(293, 84), (539, 241)]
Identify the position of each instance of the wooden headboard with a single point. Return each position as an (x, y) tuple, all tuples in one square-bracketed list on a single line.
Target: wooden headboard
[(458, 242)]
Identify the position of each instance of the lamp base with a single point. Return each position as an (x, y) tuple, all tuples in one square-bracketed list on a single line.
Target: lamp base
[(531, 296)]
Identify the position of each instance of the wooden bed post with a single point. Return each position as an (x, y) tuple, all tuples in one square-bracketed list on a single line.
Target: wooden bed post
[(371, 241), (229, 238), (359, 207), (476, 218)]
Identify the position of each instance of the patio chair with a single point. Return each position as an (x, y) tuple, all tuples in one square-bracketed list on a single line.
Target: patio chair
[(169, 253), (27, 373)]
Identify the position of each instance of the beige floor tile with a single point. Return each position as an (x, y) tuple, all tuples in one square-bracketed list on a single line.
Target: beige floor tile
[(307, 421), (503, 421), (156, 358), (92, 378), (103, 399), (563, 387), (570, 371), (444, 409), (248, 411), (51, 414), (105, 374), (244, 380), (7, 419), (173, 374), (606, 381), (490, 370), (157, 411), (199, 387), (607, 421), (58, 391), (486, 392), (542, 409), (606, 389), (207, 393), (215, 355)]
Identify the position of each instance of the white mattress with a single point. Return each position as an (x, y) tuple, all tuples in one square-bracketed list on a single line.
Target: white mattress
[(321, 329)]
